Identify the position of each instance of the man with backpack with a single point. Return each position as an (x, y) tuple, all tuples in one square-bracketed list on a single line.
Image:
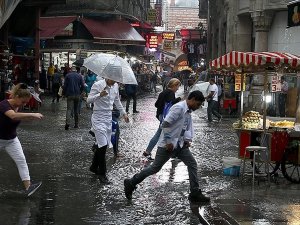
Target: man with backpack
[(175, 141)]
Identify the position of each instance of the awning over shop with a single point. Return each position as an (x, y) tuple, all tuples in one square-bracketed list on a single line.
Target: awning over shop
[(113, 32), (234, 60), (7, 8), (143, 25), (53, 26)]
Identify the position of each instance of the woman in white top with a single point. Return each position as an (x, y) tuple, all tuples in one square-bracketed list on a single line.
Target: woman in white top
[(104, 93)]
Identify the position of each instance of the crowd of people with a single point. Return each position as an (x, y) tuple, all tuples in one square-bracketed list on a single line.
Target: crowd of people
[(173, 135)]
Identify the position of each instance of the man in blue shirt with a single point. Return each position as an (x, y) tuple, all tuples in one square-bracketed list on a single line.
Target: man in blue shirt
[(72, 89), (177, 133)]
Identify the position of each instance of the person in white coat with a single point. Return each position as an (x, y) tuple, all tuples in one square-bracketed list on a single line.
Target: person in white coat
[(104, 93)]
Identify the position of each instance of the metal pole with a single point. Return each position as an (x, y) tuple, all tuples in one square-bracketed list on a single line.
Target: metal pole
[(265, 99), (37, 44), (242, 94)]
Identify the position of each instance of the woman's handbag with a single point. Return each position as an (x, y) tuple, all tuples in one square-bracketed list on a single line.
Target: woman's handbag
[(60, 91)]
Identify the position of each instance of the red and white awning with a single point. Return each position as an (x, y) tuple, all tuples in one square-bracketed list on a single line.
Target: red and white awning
[(235, 60)]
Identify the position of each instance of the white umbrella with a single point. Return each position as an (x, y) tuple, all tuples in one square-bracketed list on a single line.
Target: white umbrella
[(111, 67)]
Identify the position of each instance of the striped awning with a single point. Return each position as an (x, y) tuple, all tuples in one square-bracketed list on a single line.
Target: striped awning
[(236, 60)]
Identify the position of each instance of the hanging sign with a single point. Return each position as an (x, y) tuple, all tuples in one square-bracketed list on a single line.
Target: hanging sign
[(152, 41), (275, 84), (151, 17), (168, 36), (294, 14), (238, 83)]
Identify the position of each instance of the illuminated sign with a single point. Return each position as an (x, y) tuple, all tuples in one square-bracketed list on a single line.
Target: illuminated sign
[(168, 35), (152, 41)]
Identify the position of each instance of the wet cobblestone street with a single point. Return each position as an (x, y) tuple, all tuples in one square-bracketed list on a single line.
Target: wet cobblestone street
[(71, 195)]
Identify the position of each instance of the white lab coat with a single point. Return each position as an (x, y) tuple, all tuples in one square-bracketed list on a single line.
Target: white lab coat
[(102, 111)]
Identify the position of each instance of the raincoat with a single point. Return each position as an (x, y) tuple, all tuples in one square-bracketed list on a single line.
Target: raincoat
[(102, 111)]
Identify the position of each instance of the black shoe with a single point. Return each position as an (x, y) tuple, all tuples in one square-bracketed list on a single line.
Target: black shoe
[(197, 196), (32, 188), (92, 133), (128, 188), (76, 126), (135, 111), (93, 170), (67, 127), (103, 179)]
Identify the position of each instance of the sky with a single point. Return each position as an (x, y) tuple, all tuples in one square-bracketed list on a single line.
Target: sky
[(187, 3)]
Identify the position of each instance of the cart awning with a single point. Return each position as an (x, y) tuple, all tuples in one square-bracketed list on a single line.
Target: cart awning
[(235, 60)]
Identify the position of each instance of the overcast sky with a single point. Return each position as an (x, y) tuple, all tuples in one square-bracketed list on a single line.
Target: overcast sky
[(187, 3)]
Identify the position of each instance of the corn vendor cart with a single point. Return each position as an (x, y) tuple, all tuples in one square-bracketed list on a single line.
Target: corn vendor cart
[(280, 134)]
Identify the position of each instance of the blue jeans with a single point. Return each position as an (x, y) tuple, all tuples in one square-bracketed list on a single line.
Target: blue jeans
[(162, 156), (154, 140)]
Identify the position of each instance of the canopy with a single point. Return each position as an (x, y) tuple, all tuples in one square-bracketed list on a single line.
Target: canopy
[(255, 60)]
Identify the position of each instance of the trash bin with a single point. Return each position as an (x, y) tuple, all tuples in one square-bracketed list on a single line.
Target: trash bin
[(231, 166)]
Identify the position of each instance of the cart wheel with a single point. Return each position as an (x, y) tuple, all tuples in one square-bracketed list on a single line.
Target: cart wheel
[(273, 168), (290, 166)]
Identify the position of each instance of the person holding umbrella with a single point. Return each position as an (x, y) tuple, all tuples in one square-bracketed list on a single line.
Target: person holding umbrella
[(104, 93)]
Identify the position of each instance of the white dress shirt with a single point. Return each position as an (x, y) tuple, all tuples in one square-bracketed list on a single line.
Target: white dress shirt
[(180, 127)]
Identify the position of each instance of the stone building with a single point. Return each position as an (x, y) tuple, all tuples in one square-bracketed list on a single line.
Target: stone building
[(250, 25)]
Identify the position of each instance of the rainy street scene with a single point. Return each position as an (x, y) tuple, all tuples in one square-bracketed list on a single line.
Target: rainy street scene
[(149, 112)]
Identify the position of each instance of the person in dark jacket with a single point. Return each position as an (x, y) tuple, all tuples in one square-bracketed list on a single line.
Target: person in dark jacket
[(166, 96), (131, 90), (72, 89)]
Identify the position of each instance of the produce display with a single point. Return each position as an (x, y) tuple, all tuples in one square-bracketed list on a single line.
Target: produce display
[(283, 124), (253, 120)]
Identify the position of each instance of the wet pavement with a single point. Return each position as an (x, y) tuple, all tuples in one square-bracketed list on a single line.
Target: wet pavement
[(70, 194)]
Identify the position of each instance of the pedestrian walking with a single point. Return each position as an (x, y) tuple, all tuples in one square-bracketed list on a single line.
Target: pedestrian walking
[(50, 73), (43, 78), (131, 91), (166, 96), (90, 79), (212, 99), (56, 84), (103, 95), (10, 118), (153, 80), (72, 89), (220, 93), (175, 141)]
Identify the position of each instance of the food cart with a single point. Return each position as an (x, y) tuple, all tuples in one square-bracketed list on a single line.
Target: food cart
[(280, 135)]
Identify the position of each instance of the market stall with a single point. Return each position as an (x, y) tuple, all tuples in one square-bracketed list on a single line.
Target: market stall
[(280, 135)]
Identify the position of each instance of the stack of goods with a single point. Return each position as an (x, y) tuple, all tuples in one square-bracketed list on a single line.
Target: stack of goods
[(251, 120)]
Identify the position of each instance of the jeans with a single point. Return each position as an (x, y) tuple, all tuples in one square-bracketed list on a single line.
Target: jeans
[(117, 134), (129, 97), (14, 149), (72, 106), (212, 109), (162, 156), (154, 140)]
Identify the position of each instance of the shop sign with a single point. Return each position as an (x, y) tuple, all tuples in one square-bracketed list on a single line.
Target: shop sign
[(238, 83), (294, 14), (275, 84), (183, 63), (168, 36), (151, 17), (158, 19), (152, 41), (167, 45)]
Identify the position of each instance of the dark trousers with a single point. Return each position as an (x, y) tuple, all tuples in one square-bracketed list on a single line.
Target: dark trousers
[(129, 97), (99, 160), (212, 109), (282, 102), (161, 157), (55, 89), (117, 134), (72, 106)]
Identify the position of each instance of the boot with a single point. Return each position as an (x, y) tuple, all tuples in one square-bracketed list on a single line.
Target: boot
[(197, 196), (94, 168)]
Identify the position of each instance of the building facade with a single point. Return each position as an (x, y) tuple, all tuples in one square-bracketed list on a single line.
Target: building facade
[(250, 25)]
